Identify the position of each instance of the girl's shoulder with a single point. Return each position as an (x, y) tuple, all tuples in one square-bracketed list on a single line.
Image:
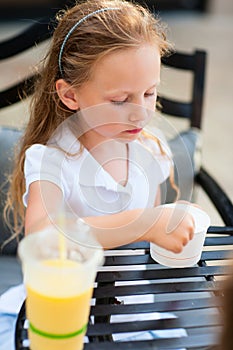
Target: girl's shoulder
[(63, 142), (37, 151), (39, 157), (36, 148)]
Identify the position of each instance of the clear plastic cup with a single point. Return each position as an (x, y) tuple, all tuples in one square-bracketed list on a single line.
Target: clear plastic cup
[(59, 268), (191, 253)]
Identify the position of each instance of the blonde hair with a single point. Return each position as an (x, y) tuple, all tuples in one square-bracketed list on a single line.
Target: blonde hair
[(130, 26)]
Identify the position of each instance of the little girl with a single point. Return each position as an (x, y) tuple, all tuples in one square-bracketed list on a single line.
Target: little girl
[(85, 142)]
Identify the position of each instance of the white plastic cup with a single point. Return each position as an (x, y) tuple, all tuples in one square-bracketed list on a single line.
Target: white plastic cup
[(191, 253)]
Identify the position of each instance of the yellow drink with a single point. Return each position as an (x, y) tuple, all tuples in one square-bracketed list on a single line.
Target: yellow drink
[(58, 322), (59, 274)]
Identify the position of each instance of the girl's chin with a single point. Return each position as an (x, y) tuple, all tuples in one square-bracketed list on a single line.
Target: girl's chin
[(121, 136)]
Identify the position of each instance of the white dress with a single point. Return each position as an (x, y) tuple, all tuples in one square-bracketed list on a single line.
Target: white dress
[(89, 190)]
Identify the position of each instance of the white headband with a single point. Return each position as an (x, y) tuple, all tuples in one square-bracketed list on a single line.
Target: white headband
[(73, 28)]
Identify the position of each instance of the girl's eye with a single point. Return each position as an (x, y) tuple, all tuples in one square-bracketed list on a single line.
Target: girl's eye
[(149, 94), (119, 102)]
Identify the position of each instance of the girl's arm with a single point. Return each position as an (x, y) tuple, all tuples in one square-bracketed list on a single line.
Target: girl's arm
[(156, 225), (44, 199)]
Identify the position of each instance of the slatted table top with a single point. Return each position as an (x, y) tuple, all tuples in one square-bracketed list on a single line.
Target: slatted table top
[(169, 308)]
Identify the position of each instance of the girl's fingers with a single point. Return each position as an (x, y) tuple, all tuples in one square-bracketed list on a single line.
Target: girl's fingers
[(191, 235)]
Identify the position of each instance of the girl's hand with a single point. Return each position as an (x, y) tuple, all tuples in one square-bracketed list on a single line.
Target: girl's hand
[(173, 228)]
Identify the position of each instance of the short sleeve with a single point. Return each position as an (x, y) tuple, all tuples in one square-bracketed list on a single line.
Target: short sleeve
[(42, 163)]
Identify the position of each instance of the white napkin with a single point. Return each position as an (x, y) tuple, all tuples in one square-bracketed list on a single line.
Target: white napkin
[(12, 300)]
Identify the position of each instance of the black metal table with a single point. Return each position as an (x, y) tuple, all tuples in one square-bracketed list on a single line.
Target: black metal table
[(189, 299)]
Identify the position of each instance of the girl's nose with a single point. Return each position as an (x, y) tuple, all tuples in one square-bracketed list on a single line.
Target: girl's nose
[(137, 113)]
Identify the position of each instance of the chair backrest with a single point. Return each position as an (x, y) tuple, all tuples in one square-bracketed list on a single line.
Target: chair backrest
[(41, 31), (186, 145), (195, 63)]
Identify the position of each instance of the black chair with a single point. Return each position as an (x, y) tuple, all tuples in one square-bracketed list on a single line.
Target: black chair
[(189, 139), (186, 144), (196, 63)]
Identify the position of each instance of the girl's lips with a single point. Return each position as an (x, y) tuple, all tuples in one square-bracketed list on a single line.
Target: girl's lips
[(134, 131)]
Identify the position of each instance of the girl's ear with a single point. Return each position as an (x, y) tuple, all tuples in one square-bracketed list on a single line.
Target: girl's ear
[(67, 94)]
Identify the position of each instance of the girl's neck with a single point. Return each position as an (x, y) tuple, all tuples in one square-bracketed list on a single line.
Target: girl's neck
[(102, 146), (112, 155)]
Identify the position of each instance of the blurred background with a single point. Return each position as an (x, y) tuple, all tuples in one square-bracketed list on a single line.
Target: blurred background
[(193, 24)]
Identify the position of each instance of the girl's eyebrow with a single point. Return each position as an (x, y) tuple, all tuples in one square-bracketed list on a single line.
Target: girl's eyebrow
[(155, 85), (122, 92)]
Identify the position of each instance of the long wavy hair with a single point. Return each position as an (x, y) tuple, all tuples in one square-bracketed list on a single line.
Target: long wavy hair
[(130, 26)]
